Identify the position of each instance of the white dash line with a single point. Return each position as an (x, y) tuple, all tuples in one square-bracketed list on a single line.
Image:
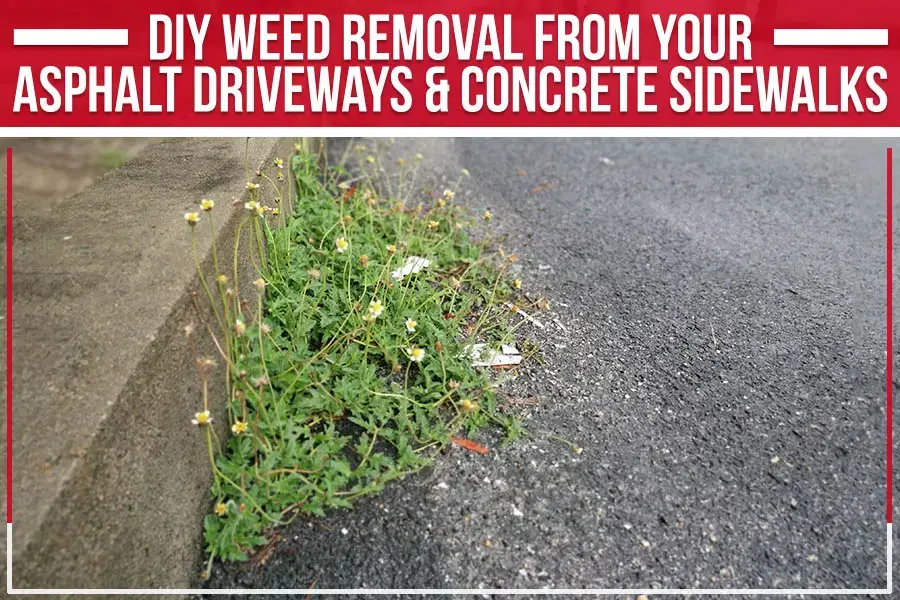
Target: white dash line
[(70, 37), (831, 37)]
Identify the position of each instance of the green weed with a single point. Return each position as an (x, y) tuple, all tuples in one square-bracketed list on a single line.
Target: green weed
[(112, 158), (342, 375)]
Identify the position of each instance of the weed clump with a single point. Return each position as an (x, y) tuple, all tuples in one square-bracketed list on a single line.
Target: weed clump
[(348, 369)]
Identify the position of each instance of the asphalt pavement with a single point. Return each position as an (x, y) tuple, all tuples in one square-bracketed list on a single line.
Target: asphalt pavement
[(716, 345)]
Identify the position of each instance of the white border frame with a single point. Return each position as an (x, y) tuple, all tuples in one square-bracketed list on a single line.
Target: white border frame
[(455, 132), (510, 132)]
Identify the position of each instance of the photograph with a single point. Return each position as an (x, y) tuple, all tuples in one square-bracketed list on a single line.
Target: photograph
[(473, 299), (448, 363)]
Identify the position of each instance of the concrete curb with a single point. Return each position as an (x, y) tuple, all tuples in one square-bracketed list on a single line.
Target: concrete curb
[(110, 479)]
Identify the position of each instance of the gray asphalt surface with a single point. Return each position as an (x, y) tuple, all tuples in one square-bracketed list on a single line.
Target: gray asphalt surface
[(716, 346)]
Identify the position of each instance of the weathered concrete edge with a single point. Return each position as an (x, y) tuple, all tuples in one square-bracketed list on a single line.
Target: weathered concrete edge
[(130, 516)]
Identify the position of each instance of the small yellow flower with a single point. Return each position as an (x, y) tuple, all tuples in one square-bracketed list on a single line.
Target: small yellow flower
[(344, 185), (411, 325), (260, 284), (252, 186), (192, 218), (202, 418), (348, 219), (401, 161), (341, 244), (441, 203), (419, 156), (449, 194), (513, 308), (433, 225), (252, 206), (415, 353), (370, 159), (487, 215), (391, 248), (279, 163), (207, 205), (375, 308), (221, 509), (239, 427), (275, 211), (262, 209), (359, 148), (279, 176), (222, 279), (239, 327), (517, 283), (465, 172), (468, 406)]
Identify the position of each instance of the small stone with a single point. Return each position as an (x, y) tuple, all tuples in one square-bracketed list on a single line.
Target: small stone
[(344, 531), (516, 512)]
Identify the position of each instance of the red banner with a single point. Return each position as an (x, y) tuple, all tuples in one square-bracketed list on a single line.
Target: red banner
[(498, 63)]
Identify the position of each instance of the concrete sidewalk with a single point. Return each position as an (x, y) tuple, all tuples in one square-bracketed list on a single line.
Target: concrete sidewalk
[(110, 479)]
